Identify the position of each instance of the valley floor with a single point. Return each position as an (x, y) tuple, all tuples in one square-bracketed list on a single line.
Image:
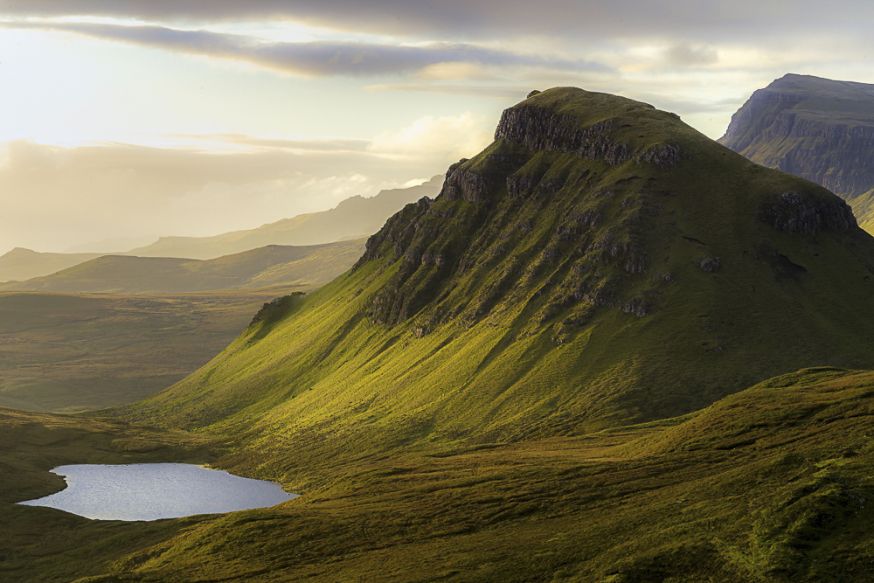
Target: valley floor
[(771, 484), (73, 352)]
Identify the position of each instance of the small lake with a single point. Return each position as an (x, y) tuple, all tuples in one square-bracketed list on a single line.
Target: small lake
[(155, 491)]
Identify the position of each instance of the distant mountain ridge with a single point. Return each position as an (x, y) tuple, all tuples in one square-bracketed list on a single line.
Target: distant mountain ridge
[(353, 218), (21, 264), (305, 267), (819, 129)]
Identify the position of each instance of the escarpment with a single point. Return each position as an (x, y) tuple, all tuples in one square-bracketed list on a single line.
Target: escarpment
[(818, 129)]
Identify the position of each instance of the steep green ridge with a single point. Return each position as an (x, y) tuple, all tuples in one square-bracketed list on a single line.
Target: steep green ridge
[(600, 263), (353, 218), (62, 352), (21, 264), (303, 267), (771, 484), (816, 128)]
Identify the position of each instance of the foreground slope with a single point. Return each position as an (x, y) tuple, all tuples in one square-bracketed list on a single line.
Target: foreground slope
[(20, 264), (768, 485), (819, 129), (302, 267), (353, 218), (600, 263)]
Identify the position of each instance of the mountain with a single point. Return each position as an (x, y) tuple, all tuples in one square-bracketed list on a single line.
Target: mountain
[(819, 129), (62, 352), (353, 218), (600, 263), (302, 267), (21, 264)]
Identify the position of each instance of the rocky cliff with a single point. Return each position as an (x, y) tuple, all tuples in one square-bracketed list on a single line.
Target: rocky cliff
[(818, 129)]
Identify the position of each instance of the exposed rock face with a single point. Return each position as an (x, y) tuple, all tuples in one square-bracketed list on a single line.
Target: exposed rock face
[(818, 129), (803, 213), (542, 129), (710, 264)]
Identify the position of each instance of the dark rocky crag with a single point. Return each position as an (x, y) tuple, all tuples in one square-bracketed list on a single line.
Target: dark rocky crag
[(592, 256)]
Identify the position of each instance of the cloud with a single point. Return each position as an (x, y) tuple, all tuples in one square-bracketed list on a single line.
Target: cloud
[(686, 55), (447, 137), (245, 141), (490, 18), (59, 198), (318, 58)]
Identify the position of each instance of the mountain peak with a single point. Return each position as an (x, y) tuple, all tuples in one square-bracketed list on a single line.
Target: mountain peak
[(588, 124)]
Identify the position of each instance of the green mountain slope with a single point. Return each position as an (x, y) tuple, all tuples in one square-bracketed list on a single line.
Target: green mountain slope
[(64, 352), (600, 263), (21, 264), (303, 267), (353, 218), (816, 128)]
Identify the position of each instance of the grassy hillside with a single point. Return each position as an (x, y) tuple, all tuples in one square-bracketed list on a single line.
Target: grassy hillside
[(21, 264), (863, 207), (303, 267), (353, 218), (767, 485), (68, 352)]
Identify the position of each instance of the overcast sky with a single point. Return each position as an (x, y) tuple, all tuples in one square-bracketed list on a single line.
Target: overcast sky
[(125, 120)]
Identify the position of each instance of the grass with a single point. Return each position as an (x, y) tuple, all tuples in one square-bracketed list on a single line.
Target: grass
[(769, 484), (863, 207)]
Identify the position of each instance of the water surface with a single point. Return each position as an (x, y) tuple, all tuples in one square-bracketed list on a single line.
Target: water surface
[(155, 491)]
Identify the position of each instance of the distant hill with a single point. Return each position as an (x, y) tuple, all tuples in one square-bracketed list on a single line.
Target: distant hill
[(819, 129), (20, 264), (353, 218), (303, 267)]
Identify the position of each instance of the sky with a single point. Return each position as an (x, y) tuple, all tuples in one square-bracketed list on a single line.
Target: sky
[(122, 121)]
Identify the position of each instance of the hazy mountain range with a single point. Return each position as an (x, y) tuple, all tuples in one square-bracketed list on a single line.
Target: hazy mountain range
[(354, 218)]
